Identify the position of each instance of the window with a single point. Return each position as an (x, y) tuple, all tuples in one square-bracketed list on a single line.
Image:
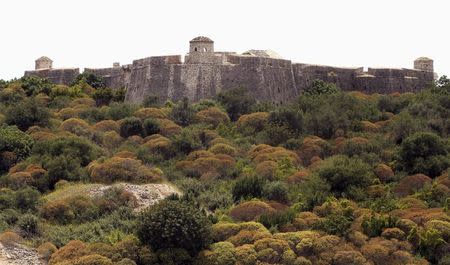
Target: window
[(205, 50), (196, 49)]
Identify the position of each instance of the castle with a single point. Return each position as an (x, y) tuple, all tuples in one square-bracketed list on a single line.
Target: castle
[(268, 77)]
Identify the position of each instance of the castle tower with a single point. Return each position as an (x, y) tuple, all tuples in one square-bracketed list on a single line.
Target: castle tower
[(424, 64), (43, 63), (201, 50)]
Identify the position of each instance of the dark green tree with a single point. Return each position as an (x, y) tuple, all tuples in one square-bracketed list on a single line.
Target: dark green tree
[(183, 113), (236, 102), (91, 79), (174, 224), (425, 153), (26, 114), (131, 126), (320, 87)]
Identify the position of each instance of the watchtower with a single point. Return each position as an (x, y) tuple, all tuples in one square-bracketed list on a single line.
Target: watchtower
[(43, 63), (424, 64), (201, 44)]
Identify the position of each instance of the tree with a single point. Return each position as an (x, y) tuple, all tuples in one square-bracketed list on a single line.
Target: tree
[(248, 187), (15, 141), (345, 174), (183, 113), (26, 114), (320, 87), (425, 153), (236, 101), (91, 79), (33, 85), (174, 224), (131, 126)]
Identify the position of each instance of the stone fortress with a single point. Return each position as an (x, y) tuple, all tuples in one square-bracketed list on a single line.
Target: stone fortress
[(204, 73)]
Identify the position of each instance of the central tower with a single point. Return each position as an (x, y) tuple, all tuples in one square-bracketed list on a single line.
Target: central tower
[(201, 51)]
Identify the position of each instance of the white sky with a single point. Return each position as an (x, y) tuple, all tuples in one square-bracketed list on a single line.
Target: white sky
[(95, 33)]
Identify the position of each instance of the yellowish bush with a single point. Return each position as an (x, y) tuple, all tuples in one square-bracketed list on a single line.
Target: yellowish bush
[(106, 125), (222, 148), (123, 169), (111, 139), (46, 250), (159, 143), (146, 113), (251, 210), (168, 127), (72, 250), (253, 122), (213, 116), (267, 169), (9, 238), (83, 101), (76, 126), (67, 113)]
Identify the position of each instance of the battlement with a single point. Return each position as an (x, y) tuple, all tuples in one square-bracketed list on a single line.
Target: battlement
[(268, 77)]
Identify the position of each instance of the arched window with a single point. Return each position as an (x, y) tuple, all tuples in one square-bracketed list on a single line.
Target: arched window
[(196, 49), (205, 50)]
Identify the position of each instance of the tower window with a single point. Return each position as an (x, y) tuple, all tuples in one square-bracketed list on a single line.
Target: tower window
[(196, 49), (205, 50)]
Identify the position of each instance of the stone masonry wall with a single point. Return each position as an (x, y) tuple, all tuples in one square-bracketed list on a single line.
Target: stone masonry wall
[(57, 76)]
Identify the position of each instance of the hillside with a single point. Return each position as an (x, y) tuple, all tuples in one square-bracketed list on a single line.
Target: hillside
[(331, 178)]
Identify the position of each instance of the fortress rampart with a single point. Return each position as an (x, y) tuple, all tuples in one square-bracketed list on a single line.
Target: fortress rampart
[(205, 73)]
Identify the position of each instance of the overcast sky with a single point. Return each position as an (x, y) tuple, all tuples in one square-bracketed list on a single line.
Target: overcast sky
[(94, 33)]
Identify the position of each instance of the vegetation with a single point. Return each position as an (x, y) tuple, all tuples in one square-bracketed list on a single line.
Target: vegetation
[(331, 178)]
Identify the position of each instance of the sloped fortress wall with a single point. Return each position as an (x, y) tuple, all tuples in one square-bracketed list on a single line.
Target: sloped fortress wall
[(57, 76), (205, 73)]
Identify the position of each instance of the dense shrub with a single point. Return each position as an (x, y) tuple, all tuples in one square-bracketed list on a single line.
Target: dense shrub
[(26, 114), (174, 224), (91, 79), (28, 225), (122, 169), (276, 191), (345, 175), (17, 143), (319, 87), (424, 153), (183, 113), (236, 102), (213, 116), (248, 187), (251, 210), (131, 126), (252, 123)]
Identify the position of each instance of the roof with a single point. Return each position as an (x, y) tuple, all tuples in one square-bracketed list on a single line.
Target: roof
[(263, 53), (201, 39), (423, 59), (44, 58)]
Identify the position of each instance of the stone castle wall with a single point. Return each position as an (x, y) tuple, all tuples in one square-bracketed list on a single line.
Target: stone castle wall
[(57, 76), (205, 73)]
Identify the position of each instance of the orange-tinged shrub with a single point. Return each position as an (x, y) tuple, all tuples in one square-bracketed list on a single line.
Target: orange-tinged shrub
[(213, 116), (250, 210), (312, 146), (368, 126), (278, 245), (348, 258), (9, 238), (222, 148), (410, 184), (444, 179), (168, 127), (218, 140), (305, 220), (262, 153), (68, 113), (247, 237), (93, 259), (76, 126), (266, 169), (298, 177), (83, 101), (420, 216), (20, 179), (57, 211), (46, 250), (199, 153), (384, 172), (111, 139), (393, 232), (146, 113), (122, 169), (72, 250), (135, 139), (160, 144), (106, 125), (253, 122), (126, 154)]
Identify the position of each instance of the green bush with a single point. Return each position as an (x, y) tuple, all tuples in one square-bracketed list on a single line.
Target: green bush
[(131, 126), (373, 226), (91, 79), (33, 85), (345, 174), (151, 101), (236, 102), (118, 111), (26, 199), (320, 87), (174, 224), (26, 114), (276, 191), (28, 225), (248, 187), (14, 140), (425, 153), (183, 114), (151, 126)]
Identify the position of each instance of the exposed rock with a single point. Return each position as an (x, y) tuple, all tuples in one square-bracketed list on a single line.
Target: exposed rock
[(19, 255), (146, 194)]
